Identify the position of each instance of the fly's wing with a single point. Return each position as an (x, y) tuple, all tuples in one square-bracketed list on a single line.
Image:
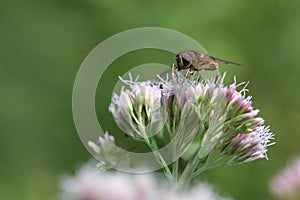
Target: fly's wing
[(206, 66), (226, 62)]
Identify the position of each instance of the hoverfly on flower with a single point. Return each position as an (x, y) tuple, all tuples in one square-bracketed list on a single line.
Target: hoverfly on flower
[(196, 60)]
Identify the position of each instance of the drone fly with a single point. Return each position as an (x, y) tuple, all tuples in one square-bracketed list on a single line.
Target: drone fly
[(196, 60)]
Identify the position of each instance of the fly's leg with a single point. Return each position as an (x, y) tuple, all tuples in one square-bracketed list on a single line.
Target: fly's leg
[(200, 75), (189, 73), (215, 66), (175, 71)]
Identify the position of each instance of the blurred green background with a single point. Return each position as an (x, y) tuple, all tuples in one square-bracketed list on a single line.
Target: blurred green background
[(42, 44)]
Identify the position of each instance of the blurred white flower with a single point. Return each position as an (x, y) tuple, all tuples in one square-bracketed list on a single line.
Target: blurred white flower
[(106, 150), (287, 183), (203, 191), (90, 184)]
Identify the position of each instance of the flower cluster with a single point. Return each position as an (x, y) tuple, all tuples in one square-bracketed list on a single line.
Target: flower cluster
[(212, 124), (230, 123)]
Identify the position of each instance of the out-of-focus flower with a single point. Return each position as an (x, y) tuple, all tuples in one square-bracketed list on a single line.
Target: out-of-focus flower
[(104, 143), (286, 185), (90, 184), (203, 191), (105, 149), (137, 110)]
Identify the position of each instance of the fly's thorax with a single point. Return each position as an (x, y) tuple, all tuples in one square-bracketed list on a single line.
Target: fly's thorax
[(195, 60)]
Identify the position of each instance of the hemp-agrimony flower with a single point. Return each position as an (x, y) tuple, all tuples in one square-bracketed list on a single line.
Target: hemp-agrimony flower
[(248, 147), (231, 123), (180, 117), (208, 123), (137, 110), (228, 130), (177, 101)]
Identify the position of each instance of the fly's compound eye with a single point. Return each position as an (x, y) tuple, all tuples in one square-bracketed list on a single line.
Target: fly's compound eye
[(185, 62), (178, 60)]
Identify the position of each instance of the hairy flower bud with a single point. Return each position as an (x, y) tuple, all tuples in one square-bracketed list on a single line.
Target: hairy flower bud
[(137, 110), (248, 147)]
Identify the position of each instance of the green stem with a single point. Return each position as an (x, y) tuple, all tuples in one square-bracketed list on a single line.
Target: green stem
[(186, 176), (198, 172), (192, 164), (159, 158), (154, 148), (208, 165), (204, 168), (175, 170)]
